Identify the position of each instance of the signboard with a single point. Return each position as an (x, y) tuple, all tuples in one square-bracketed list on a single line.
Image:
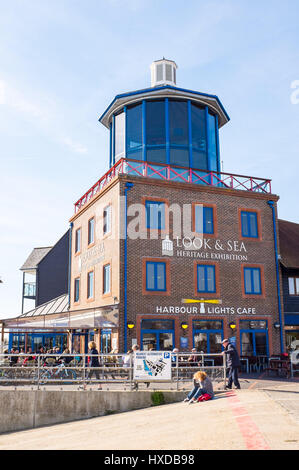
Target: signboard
[(151, 366), (183, 342)]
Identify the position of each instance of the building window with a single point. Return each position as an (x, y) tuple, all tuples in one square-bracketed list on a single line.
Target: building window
[(91, 231), (106, 279), (294, 285), (155, 215), (134, 132), (90, 282), (254, 338), (157, 334), (249, 224), (206, 278), (155, 131), (252, 281), (178, 133), (203, 219), (78, 240), (77, 290), (107, 220), (155, 276)]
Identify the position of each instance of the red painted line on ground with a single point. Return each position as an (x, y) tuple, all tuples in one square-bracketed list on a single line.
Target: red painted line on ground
[(253, 438)]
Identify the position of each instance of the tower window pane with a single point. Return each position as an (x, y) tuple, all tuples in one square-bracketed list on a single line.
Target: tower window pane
[(199, 145), (155, 123), (212, 142), (134, 131)]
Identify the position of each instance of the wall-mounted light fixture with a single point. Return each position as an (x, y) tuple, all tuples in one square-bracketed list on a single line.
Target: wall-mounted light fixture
[(184, 325), (130, 325), (232, 325), (276, 325)]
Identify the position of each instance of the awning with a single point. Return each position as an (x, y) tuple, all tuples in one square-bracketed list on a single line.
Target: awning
[(45, 319)]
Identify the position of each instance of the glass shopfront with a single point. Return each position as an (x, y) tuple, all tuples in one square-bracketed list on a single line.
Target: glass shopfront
[(254, 338), (37, 340), (157, 335), (207, 336)]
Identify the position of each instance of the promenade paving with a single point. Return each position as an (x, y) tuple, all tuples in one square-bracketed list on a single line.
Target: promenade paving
[(263, 415)]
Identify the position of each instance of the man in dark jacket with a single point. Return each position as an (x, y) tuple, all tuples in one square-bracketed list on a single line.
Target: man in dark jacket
[(233, 363)]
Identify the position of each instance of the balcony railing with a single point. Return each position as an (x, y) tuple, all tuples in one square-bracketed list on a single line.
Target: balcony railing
[(176, 174)]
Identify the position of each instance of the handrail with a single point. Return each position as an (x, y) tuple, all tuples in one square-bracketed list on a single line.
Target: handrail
[(178, 174), (39, 372)]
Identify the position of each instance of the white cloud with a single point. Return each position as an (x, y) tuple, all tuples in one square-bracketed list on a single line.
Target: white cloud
[(44, 114), (75, 146)]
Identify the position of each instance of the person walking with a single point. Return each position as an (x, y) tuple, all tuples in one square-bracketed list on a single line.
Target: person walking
[(233, 363), (93, 363)]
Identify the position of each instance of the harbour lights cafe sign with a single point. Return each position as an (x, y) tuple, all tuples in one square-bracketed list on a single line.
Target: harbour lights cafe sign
[(206, 309), (205, 248)]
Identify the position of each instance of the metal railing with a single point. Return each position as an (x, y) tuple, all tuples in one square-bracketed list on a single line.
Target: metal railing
[(42, 369), (176, 174)]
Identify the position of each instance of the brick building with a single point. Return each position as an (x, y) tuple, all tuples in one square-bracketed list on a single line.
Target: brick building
[(289, 265), (166, 250)]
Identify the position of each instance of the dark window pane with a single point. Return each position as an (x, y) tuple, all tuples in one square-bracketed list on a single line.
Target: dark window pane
[(168, 72), (247, 280), (207, 325), (247, 344), (149, 341), (199, 145), (159, 72), (200, 278), (201, 342), (204, 219), (261, 344), (178, 123), (166, 342), (161, 278), (155, 123), (256, 281), (249, 224), (206, 278), (91, 231), (134, 131), (212, 142), (253, 324), (157, 155), (199, 160), (77, 290), (179, 157), (155, 215), (215, 343), (253, 224), (157, 325), (150, 276)]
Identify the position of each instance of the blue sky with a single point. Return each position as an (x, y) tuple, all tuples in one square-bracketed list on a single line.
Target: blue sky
[(63, 61)]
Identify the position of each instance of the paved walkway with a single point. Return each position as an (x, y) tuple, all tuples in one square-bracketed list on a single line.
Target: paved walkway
[(265, 415)]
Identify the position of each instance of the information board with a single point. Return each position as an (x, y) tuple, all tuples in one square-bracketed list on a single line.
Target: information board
[(152, 366)]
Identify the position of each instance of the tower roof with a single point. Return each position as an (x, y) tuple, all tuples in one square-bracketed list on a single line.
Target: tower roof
[(212, 101)]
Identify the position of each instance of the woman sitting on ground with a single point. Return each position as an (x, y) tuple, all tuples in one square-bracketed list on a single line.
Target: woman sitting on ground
[(203, 388)]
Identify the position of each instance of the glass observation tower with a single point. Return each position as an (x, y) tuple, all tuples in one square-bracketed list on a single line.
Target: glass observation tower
[(166, 124), (168, 133)]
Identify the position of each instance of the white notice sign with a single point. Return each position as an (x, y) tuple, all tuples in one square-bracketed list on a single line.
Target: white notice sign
[(152, 366)]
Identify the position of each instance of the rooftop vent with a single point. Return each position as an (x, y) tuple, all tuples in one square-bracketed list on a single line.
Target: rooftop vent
[(163, 72)]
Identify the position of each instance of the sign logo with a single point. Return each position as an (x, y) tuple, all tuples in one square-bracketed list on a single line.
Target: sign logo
[(167, 246)]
